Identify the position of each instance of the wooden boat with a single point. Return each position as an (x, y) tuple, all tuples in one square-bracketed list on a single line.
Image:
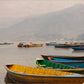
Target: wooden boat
[(36, 45), (27, 45), (66, 46), (78, 48), (69, 45), (20, 45), (63, 57), (75, 63), (25, 74), (57, 66), (51, 44), (6, 43)]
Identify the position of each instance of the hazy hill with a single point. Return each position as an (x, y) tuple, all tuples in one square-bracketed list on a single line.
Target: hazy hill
[(80, 37), (68, 24), (6, 22)]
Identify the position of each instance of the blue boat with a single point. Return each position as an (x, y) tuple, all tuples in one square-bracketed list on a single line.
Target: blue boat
[(65, 46), (63, 57), (75, 63), (6, 43), (78, 48), (51, 44)]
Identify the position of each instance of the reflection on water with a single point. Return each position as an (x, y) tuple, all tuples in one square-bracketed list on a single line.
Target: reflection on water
[(63, 48), (7, 80), (78, 51)]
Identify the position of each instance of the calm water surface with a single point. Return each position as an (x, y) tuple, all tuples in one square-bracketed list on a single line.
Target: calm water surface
[(11, 54)]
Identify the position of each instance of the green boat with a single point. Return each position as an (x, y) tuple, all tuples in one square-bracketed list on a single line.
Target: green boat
[(41, 63)]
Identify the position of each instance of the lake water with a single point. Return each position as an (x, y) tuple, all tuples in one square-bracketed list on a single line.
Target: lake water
[(11, 54)]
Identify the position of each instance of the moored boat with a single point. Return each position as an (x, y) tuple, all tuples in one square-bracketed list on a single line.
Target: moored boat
[(20, 45), (5, 43), (66, 46), (69, 45), (46, 57), (78, 48), (36, 45), (29, 45), (75, 63), (57, 66), (51, 44), (25, 74)]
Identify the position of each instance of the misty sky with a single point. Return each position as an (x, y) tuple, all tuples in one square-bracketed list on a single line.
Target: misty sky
[(14, 11), (22, 8)]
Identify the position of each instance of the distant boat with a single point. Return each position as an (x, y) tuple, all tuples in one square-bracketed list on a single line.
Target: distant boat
[(69, 45), (75, 63), (20, 45), (57, 66), (46, 57), (78, 48), (29, 45), (65, 46), (36, 45), (6, 43), (25, 74), (51, 44)]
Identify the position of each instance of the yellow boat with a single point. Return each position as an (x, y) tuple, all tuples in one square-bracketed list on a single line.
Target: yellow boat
[(25, 74), (35, 45), (27, 45), (20, 45)]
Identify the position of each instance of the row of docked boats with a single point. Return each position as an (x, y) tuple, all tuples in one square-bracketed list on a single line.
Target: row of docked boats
[(52, 69), (74, 46), (42, 63), (71, 61), (48, 71)]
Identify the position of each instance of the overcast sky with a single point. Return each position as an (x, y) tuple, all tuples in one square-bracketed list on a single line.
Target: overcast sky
[(22, 8)]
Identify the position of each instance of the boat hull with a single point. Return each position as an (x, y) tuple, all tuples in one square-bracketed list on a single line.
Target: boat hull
[(24, 74), (66, 46), (38, 45), (78, 48), (51, 44), (79, 65), (42, 79), (6, 43), (74, 63), (63, 57)]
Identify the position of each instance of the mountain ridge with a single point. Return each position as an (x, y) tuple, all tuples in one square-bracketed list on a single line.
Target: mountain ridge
[(51, 26)]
